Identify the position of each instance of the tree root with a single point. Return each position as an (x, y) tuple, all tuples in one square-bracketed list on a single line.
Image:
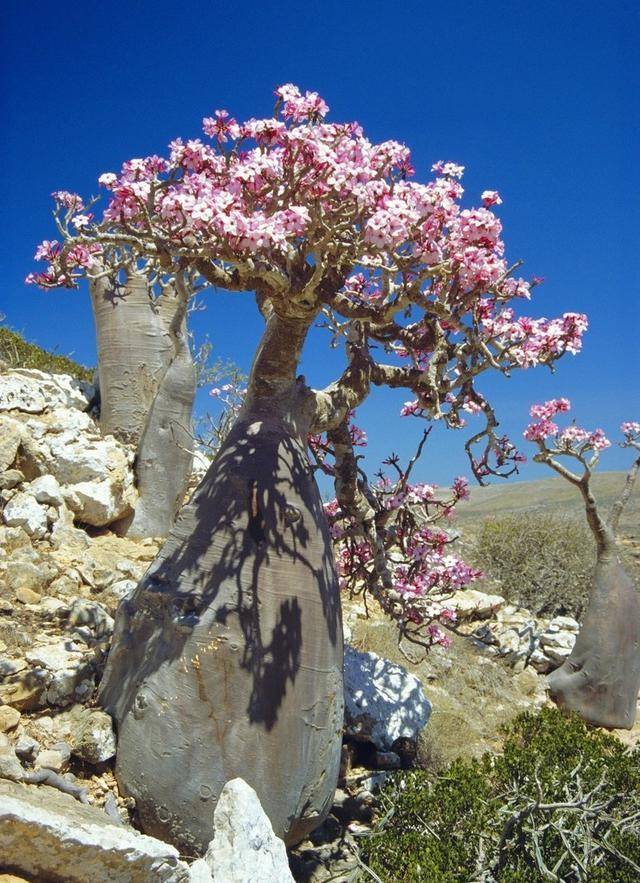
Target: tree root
[(48, 777)]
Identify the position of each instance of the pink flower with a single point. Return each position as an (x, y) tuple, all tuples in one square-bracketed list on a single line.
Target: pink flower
[(491, 197), (450, 169), (70, 201), (108, 180), (221, 126), (47, 251)]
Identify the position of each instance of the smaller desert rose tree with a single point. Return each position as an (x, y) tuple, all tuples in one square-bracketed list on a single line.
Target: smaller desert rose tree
[(145, 371), (601, 678)]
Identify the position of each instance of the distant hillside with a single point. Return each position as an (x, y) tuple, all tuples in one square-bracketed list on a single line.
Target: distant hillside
[(549, 493)]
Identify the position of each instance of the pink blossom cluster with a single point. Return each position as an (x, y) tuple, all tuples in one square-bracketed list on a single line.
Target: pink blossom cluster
[(298, 107), (293, 188), (534, 341), (419, 562), (631, 432), (571, 439)]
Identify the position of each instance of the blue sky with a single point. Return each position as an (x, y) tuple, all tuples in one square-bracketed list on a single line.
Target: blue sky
[(537, 100)]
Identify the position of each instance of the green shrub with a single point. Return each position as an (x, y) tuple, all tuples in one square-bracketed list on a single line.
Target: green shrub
[(543, 561), (16, 352), (561, 802)]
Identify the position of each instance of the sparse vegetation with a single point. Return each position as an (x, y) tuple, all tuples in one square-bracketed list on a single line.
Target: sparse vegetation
[(544, 561), (561, 802), (16, 352)]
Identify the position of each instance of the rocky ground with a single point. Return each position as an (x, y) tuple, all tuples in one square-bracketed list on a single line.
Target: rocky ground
[(64, 569)]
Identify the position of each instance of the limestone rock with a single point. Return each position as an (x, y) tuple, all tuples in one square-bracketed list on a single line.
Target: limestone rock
[(93, 615), (11, 433), (244, 848), (49, 835), (94, 740), (27, 691), (46, 489), (99, 503), (33, 391), (10, 479), (198, 872), (472, 604), (55, 657), (24, 511), (383, 701), (10, 766), (9, 718)]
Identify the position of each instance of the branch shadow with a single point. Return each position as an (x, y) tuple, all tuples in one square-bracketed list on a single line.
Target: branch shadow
[(254, 525)]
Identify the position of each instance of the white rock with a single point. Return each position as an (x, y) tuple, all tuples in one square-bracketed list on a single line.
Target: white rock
[(55, 657), (557, 645), (99, 503), (70, 684), (11, 432), (121, 589), (10, 766), (34, 391), (79, 457), (383, 701), (541, 663), (565, 624), (46, 489), (46, 834), (199, 872), (95, 740), (558, 641), (472, 604), (24, 511), (244, 848)]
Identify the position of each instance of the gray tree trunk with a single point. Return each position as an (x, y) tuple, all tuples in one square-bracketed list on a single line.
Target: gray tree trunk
[(600, 679), (227, 659), (147, 388)]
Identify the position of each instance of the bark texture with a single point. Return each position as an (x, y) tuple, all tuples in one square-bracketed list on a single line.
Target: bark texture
[(147, 388), (600, 680), (227, 660)]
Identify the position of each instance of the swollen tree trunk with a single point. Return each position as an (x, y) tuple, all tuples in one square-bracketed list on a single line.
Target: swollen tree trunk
[(227, 659), (600, 679), (147, 388)]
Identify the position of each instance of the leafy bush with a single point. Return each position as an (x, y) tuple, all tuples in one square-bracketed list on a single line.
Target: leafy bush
[(561, 803), (543, 561), (16, 352)]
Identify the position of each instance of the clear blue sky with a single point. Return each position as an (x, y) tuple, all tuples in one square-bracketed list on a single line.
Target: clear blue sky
[(537, 99)]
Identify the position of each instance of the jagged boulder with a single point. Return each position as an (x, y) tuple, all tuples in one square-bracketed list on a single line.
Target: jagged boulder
[(244, 848), (49, 835), (383, 701)]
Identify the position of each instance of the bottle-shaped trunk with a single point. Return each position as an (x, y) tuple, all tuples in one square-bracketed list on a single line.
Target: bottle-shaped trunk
[(600, 680), (227, 659), (147, 388)]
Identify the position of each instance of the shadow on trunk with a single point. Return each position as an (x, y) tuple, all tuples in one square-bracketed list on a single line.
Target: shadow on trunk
[(227, 658)]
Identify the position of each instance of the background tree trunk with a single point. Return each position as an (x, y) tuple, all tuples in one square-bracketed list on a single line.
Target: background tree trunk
[(600, 679), (147, 388)]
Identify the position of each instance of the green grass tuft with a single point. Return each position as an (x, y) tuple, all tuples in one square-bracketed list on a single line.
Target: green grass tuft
[(16, 352)]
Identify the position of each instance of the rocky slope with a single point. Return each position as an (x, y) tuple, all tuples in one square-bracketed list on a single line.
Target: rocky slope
[(64, 569)]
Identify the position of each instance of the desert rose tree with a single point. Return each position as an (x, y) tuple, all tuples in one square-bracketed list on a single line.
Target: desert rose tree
[(145, 370), (227, 658), (600, 679)]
